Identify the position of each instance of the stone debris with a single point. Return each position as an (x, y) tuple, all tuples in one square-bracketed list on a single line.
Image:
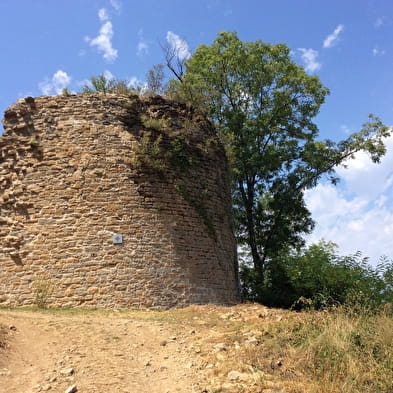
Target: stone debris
[(220, 356), (4, 372), (237, 376), (252, 341), (71, 389), (220, 347), (67, 371)]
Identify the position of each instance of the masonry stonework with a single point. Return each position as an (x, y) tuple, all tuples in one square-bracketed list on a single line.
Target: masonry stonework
[(77, 169)]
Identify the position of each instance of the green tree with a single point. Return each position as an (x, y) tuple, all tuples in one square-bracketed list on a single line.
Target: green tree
[(263, 104), (104, 84), (99, 83)]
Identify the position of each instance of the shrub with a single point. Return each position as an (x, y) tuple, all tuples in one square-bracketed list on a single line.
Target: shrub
[(43, 288), (154, 123), (319, 278), (149, 153)]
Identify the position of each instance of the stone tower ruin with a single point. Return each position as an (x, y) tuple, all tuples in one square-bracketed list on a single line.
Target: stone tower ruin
[(113, 201)]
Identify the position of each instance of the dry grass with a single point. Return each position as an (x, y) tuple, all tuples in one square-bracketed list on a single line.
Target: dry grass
[(284, 351), (310, 352), (3, 336)]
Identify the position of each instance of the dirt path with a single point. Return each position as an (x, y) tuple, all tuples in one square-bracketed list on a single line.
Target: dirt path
[(246, 348), (102, 353)]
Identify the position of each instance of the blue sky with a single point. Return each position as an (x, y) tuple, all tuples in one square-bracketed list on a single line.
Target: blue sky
[(46, 45)]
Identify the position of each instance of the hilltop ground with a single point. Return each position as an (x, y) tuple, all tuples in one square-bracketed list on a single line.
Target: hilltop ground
[(200, 349)]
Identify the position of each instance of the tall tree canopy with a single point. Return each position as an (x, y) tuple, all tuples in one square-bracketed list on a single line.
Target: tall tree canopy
[(264, 106)]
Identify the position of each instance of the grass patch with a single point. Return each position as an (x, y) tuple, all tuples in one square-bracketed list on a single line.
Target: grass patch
[(324, 352)]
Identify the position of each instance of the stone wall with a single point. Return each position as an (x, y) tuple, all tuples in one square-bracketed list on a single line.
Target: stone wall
[(77, 169)]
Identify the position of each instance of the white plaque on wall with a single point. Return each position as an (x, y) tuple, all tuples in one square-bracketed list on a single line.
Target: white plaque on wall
[(117, 238)]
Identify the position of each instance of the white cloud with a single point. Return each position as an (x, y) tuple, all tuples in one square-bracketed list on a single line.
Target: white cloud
[(378, 52), (345, 129), (143, 45), (213, 4), (179, 45), (59, 81), (134, 82), (366, 178), (309, 57), (116, 4), (358, 213), (82, 83), (108, 75), (142, 48), (331, 39), (103, 41), (103, 15), (352, 223)]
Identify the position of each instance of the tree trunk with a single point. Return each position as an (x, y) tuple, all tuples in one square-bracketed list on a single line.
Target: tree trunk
[(248, 202)]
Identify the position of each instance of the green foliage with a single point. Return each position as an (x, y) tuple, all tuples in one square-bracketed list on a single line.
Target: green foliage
[(105, 85), (172, 151), (33, 142), (263, 105), (181, 155), (318, 278), (154, 123), (156, 154), (99, 83), (149, 153)]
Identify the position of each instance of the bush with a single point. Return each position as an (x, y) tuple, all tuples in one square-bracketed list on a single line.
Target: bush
[(104, 84), (43, 288), (319, 278)]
